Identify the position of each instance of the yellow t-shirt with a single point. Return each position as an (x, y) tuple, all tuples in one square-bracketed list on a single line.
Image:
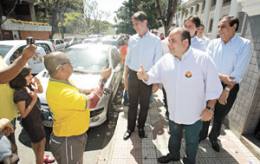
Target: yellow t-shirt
[(7, 107), (68, 105)]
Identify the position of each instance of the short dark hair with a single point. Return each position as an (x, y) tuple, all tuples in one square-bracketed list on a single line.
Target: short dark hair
[(140, 16), (186, 35), (232, 21), (202, 25), (196, 20), (19, 81)]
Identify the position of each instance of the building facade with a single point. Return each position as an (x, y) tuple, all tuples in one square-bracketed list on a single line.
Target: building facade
[(244, 118), (18, 20)]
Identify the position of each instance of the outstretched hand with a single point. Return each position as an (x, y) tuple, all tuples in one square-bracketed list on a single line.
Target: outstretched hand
[(105, 73), (141, 74)]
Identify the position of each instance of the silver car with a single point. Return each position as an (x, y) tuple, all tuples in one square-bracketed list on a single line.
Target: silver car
[(88, 60)]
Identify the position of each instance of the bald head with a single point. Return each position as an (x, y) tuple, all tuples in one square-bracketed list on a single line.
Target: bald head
[(183, 32), (54, 60)]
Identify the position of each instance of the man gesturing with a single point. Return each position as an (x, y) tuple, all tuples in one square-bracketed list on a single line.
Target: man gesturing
[(192, 86)]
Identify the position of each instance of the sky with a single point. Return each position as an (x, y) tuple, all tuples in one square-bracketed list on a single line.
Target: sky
[(110, 6)]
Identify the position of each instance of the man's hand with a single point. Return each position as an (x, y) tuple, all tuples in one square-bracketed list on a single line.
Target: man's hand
[(105, 73), (29, 51), (6, 127), (226, 79), (126, 83), (141, 74), (206, 115), (155, 87), (223, 97)]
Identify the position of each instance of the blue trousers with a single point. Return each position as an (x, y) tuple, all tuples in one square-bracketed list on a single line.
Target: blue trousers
[(191, 133)]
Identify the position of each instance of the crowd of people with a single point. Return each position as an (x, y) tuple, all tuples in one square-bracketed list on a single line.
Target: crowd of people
[(199, 77)]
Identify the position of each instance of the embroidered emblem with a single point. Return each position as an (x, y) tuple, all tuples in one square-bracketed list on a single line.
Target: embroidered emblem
[(188, 74)]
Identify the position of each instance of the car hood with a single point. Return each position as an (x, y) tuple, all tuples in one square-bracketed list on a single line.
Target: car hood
[(80, 80)]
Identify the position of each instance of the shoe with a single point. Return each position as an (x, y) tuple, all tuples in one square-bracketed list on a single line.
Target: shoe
[(167, 158), (127, 134), (48, 159), (141, 133), (214, 145), (186, 161)]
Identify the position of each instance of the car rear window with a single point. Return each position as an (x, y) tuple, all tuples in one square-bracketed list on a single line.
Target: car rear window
[(4, 49)]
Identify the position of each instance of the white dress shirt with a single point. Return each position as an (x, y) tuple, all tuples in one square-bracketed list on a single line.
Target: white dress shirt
[(231, 58), (144, 51), (188, 82)]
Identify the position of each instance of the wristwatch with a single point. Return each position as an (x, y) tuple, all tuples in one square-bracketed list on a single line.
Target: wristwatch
[(210, 108)]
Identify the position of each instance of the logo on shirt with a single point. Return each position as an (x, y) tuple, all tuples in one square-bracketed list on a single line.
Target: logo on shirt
[(188, 74)]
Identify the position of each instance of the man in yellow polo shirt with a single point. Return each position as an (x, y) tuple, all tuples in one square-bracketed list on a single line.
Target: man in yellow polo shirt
[(69, 107)]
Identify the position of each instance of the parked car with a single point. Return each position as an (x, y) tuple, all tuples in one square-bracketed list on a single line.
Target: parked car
[(87, 61), (8, 48), (58, 44)]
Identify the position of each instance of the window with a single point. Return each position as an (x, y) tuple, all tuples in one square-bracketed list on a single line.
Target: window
[(226, 2), (210, 25), (203, 6), (46, 47), (197, 8), (191, 10), (213, 3)]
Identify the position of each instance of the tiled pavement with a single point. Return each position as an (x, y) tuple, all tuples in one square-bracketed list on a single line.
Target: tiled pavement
[(145, 151)]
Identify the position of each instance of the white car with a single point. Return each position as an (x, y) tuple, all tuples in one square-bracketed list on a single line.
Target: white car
[(58, 44), (9, 49), (87, 61)]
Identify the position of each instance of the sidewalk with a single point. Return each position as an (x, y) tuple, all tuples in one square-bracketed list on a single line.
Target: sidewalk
[(146, 151)]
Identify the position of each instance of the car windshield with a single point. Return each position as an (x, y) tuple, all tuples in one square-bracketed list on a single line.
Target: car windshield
[(4, 49), (88, 59)]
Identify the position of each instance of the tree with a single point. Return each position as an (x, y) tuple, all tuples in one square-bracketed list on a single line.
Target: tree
[(166, 12), (55, 10), (159, 12), (94, 17)]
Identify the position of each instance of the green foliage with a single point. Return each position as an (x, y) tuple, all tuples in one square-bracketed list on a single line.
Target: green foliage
[(129, 8)]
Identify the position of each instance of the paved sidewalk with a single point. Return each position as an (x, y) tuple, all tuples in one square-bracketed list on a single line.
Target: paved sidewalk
[(146, 151)]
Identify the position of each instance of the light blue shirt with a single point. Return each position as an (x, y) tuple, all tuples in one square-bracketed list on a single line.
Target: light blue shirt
[(144, 51), (231, 58), (199, 43), (188, 82)]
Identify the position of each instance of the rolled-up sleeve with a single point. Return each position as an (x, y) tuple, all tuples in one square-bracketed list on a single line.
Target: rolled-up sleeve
[(212, 81)]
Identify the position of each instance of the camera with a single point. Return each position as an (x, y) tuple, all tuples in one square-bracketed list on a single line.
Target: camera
[(30, 40)]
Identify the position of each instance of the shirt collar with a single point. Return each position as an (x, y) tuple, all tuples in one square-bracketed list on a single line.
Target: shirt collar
[(231, 40), (184, 56), (145, 35)]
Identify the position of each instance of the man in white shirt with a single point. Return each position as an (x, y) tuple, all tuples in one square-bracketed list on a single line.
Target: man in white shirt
[(231, 54), (192, 86), (192, 24)]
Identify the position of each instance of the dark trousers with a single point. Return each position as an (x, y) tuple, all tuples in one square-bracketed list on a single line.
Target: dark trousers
[(138, 92), (219, 115), (191, 133), (165, 101)]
